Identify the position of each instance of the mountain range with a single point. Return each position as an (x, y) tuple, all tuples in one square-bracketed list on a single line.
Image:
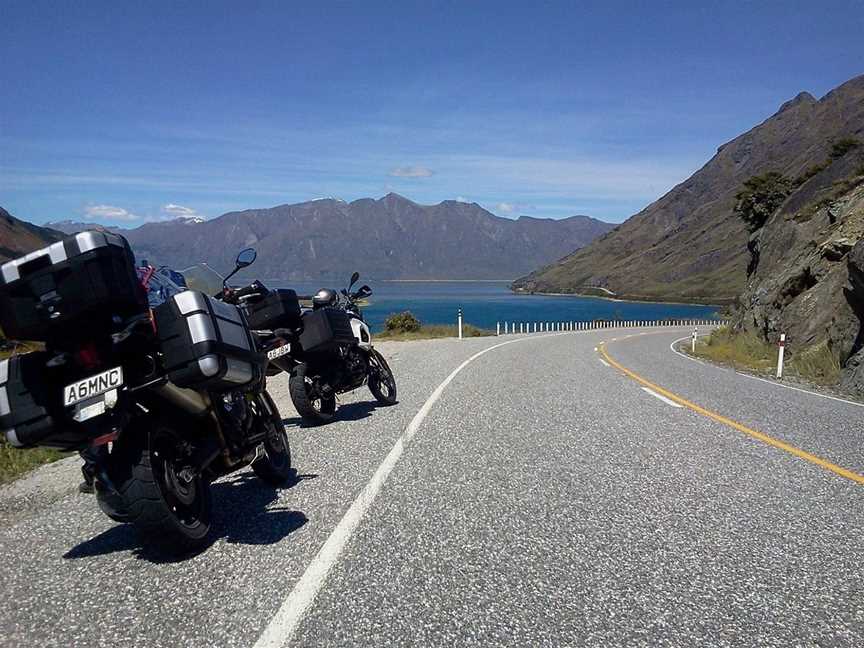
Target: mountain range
[(688, 245), (389, 238)]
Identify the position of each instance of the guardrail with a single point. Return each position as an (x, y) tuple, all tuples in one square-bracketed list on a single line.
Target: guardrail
[(525, 328)]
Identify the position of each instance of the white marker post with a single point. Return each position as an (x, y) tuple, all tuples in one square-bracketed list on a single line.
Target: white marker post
[(781, 350), (497, 328), (693, 344), (459, 322)]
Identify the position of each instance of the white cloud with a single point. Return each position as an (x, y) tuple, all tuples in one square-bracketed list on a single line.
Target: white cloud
[(179, 211), (463, 199), (108, 212), (412, 172), (510, 208)]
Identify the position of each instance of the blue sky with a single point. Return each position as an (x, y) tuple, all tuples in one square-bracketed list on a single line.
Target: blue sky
[(128, 112)]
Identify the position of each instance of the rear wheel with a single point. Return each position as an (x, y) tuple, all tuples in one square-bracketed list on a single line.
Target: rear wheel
[(382, 384), (168, 503), (274, 465), (111, 502), (306, 395)]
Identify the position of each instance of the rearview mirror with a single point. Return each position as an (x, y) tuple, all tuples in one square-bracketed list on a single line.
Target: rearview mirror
[(354, 278), (364, 291), (246, 257)]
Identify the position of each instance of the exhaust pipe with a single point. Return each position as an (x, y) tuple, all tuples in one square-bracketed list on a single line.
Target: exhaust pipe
[(188, 400)]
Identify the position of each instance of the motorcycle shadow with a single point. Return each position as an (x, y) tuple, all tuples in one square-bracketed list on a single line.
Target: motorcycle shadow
[(355, 411), (240, 516)]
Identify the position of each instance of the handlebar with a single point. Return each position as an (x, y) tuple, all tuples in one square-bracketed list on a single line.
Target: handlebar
[(234, 295)]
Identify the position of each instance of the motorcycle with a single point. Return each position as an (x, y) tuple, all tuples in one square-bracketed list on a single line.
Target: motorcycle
[(326, 350), (162, 399), (322, 371)]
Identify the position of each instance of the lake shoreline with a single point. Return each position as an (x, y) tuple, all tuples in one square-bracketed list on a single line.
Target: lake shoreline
[(624, 300)]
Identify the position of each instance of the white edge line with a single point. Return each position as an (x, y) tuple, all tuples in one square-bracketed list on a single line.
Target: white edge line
[(285, 622), (662, 398), (751, 377), (604, 362)]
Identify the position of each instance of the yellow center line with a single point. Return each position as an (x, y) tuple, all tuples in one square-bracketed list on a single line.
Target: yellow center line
[(761, 436)]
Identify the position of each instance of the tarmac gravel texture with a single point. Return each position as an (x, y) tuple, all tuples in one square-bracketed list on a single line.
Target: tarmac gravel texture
[(545, 500), (548, 500)]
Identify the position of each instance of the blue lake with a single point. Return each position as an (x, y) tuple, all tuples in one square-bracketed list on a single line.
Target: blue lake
[(485, 302)]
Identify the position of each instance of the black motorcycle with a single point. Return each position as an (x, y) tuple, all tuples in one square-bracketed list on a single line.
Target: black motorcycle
[(162, 401), (336, 355), (327, 350)]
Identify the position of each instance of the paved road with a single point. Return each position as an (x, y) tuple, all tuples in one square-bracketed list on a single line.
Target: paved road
[(545, 499)]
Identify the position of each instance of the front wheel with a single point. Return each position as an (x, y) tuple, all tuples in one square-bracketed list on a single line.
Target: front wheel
[(310, 403), (273, 466), (382, 384), (168, 503)]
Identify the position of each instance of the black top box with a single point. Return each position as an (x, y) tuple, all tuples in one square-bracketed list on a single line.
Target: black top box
[(206, 343), (279, 309), (70, 289), (324, 329)]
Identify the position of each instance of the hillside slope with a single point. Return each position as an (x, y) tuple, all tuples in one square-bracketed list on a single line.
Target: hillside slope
[(389, 238), (687, 245), (18, 237)]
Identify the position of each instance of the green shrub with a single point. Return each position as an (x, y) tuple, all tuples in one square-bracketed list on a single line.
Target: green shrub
[(760, 198), (403, 322), (843, 146), (809, 172)]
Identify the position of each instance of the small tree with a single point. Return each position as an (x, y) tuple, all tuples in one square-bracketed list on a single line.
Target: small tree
[(843, 146), (760, 197), (404, 322)]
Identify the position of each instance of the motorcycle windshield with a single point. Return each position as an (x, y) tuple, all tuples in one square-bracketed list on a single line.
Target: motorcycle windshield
[(203, 278), (162, 284)]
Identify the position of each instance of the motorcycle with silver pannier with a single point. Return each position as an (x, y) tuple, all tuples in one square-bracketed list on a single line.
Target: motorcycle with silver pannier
[(163, 398)]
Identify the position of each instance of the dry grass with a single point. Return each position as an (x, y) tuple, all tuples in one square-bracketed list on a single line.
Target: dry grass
[(817, 364), (747, 351), (431, 331), (14, 462)]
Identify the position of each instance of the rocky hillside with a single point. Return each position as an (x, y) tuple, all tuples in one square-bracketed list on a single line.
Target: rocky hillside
[(687, 245), (18, 237), (389, 238), (807, 268)]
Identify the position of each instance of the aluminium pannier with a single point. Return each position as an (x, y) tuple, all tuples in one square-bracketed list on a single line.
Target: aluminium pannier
[(206, 344), (75, 286), (31, 405), (279, 309), (326, 328)]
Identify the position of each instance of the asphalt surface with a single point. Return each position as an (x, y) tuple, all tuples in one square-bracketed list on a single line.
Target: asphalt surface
[(546, 499)]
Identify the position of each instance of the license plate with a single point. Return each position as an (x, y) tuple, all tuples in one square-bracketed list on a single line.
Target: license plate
[(92, 386), (278, 352)]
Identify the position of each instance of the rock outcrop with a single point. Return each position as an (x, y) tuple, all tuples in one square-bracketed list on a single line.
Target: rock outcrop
[(806, 274)]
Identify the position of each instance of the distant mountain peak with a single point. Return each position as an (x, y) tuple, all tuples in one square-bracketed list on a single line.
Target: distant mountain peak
[(801, 97), (394, 197)]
